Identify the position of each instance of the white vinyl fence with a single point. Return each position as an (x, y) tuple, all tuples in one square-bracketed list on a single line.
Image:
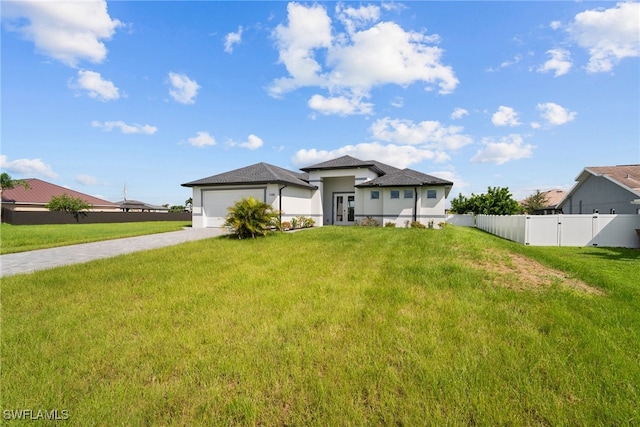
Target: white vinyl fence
[(565, 230)]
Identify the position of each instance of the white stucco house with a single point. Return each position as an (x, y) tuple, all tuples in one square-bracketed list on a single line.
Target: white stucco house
[(336, 192)]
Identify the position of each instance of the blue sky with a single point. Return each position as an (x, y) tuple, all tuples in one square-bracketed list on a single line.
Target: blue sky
[(98, 95)]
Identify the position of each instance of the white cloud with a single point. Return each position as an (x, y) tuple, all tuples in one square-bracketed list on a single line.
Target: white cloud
[(68, 31), (358, 60), (397, 102), (609, 35), (184, 90), (400, 156), (232, 39), (429, 134), (86, 179), (505, 116), (202, 139), (27, 167), (353, 18), (555, 25), (509, 148), (555, 114), (98, 88), (252, 143), (560, 62), (459, 113), (340, 105), (125, 128)]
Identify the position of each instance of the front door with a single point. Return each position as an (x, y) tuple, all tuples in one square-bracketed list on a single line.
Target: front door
[(344, 208)]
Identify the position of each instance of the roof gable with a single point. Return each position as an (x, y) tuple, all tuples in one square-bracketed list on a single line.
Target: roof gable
[(259, 173), (627, 176), (40, 193), (405, 178)]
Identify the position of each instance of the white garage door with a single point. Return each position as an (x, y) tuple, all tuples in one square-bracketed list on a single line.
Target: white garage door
[(216, 202)]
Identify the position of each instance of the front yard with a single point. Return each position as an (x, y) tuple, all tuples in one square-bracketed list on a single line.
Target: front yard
[(330, 326)]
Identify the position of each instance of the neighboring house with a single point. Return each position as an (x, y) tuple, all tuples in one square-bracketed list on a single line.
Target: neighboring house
[(604, 189), (138, 206), (337, 192), (40, 193), (553, 199)]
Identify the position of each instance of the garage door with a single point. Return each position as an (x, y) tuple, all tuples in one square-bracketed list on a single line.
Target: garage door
[(216, 202)]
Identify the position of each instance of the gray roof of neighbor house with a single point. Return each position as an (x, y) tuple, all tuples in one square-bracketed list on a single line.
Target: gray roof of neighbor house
[(348, 162), (627, 176), (40, 193), (260, 173), (137, 204)]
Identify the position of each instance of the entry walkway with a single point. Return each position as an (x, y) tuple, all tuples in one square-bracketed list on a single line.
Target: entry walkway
[(28, 262)]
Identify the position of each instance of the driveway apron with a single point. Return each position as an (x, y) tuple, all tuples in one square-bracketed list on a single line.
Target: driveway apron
[(28, 262)]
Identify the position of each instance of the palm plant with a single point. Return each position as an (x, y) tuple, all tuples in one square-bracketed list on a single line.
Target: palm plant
[(251, 218)]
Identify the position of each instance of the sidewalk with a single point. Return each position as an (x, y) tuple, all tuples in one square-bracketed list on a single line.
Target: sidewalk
[(27, 262)]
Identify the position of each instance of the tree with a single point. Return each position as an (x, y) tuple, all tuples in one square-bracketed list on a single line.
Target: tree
[(189, 204), (497, 201), (6, 182), (536, 201), (176, 208), (66, 203), (251, 218)]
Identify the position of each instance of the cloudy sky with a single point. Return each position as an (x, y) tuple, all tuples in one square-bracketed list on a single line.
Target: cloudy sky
[(98, 95)]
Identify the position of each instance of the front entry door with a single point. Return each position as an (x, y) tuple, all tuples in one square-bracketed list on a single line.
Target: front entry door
[(344, 209)]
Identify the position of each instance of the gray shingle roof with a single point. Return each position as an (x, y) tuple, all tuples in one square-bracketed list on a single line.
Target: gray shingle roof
[(260, 173), (404, 178), (348, 162)]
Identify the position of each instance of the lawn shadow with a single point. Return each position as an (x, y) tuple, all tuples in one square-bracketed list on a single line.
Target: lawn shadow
[(615, 254)]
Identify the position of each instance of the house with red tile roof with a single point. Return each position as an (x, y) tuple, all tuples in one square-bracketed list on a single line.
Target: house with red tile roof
[(39, 193), (606, 190)]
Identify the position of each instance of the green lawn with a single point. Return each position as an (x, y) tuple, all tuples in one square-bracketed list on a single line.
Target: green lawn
[(20, 238), (330, 326)]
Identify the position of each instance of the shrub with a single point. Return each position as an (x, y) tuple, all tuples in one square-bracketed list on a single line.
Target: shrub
[(251, 218), (369, 222), (418, 224), (285, 226), (390, 224)]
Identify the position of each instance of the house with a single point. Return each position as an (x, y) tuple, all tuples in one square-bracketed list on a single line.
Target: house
[(552, 202), (39, 193), (138, 206), (604, 189), (336, 192)]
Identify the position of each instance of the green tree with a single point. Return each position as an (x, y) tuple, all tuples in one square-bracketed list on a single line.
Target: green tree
[(251, 218), (6, 182), (534, 202), (189, 204), (176, 208), (66, 203), (496, 201)]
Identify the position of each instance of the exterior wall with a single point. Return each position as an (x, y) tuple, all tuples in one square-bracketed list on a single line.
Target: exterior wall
[(599, 193), (296, 201), (399, 211)]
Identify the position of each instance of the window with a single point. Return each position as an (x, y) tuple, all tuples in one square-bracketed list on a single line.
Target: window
[(375, 195), (431, 194), (395, 194), (408, 194)]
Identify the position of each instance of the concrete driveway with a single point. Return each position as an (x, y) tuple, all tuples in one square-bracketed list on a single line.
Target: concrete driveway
[(28, 262)]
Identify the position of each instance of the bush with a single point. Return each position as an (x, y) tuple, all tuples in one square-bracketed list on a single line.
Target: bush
[(285, 226), (251, 218), (369, 222), (418, 224), (390, 224)]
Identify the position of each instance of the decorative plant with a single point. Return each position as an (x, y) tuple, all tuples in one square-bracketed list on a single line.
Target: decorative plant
[(418, 224), (390, 224), (286, 226), (369, 222), (251, 218), (294, 223)]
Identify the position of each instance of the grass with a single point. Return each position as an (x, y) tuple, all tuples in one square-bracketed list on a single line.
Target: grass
[(330, 326), (20, 238)]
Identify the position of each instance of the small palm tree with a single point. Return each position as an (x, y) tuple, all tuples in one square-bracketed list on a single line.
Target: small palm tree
[(251, 218)]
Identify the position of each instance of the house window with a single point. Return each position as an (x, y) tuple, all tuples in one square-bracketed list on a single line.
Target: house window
[(408, 194), (431, 194), (375, 195), (395, 194)]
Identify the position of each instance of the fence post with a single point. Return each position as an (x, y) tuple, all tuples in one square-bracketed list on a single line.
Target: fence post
[(559, 228), (594, 229)]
